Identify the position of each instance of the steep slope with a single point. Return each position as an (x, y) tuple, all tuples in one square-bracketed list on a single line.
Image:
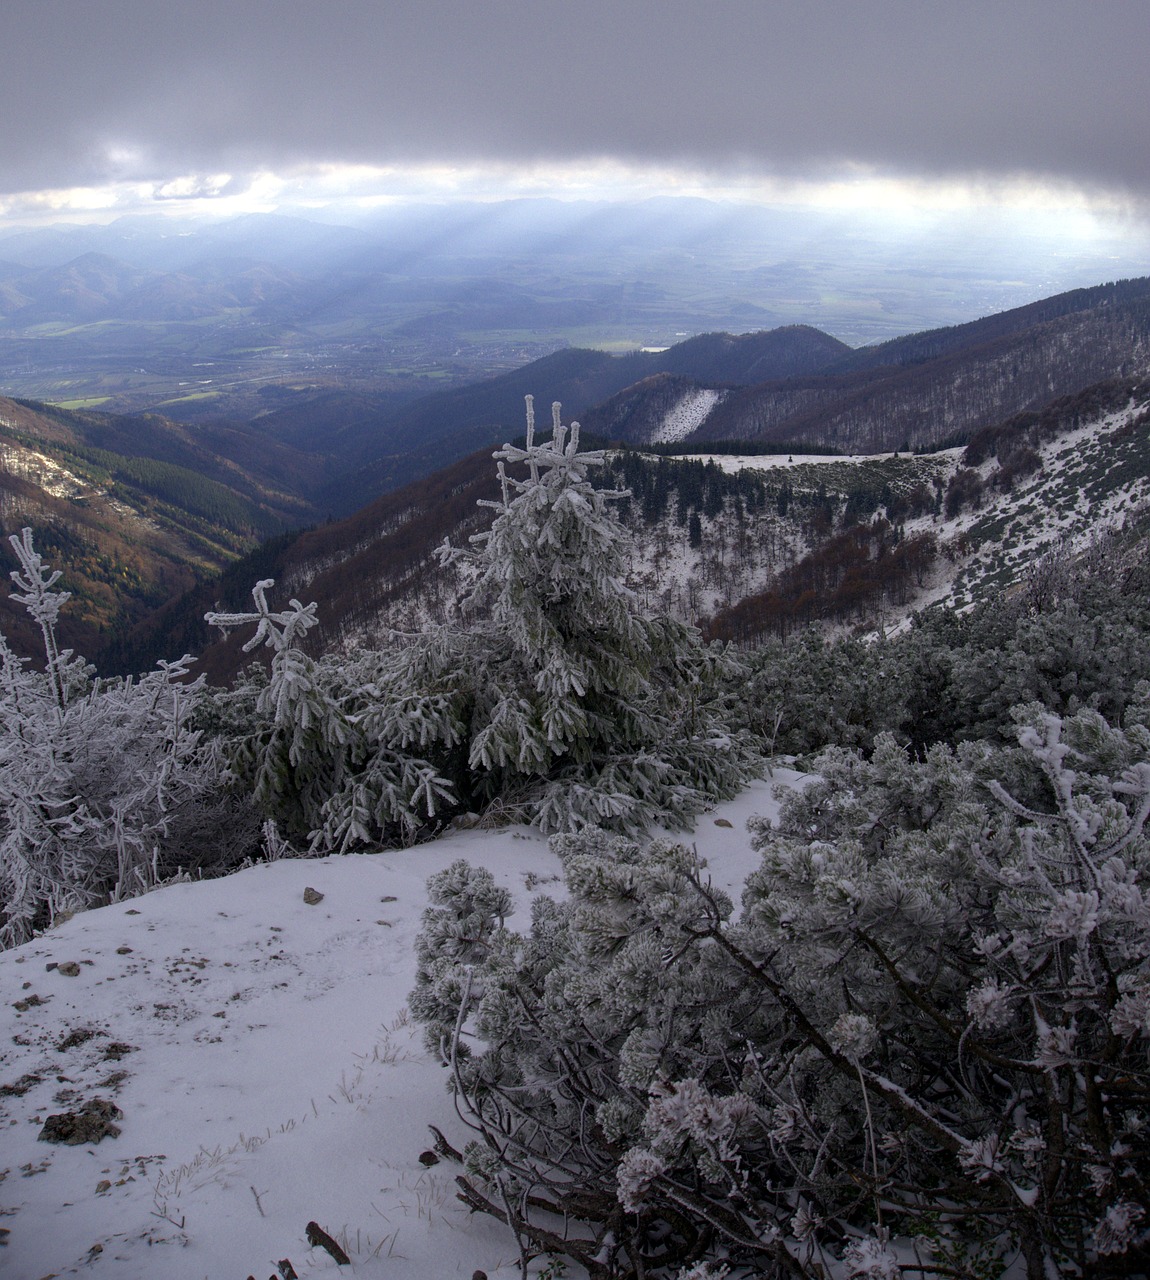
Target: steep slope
[(1040, 483), (133, 512), (276, 475), (948, 397)]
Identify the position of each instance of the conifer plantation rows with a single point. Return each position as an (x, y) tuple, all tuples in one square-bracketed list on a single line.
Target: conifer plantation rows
[(919, 1047)]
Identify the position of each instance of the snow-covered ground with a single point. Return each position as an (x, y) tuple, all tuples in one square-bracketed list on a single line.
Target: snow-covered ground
[(732, 463), (259, 1048)]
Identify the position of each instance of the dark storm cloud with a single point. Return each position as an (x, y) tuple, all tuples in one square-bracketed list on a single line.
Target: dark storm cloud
[(122, 89)]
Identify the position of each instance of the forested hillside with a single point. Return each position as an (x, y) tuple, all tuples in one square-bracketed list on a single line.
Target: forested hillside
[(135, 510), (749, 546), (925, 391)]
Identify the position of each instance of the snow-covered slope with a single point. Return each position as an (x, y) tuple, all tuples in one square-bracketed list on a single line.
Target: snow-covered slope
[(1092, 477), (259, 1049), (686, 416)]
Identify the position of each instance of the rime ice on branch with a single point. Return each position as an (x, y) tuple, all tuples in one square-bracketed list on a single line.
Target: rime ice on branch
[(278, 631), (107, 787)]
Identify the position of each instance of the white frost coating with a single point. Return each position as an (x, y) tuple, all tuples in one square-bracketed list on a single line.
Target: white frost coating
[(686, 417)]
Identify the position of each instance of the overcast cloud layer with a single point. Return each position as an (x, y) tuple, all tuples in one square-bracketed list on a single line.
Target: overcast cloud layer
[(100, 91)]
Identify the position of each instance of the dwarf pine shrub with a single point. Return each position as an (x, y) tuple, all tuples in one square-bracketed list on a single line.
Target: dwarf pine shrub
[(922, 1044)]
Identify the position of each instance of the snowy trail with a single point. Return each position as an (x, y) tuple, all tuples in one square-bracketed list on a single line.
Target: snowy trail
[(260, 1052)]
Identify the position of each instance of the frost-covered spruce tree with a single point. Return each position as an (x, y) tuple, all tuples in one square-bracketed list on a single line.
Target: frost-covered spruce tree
[(557, 701), (922, 1047), (579, 707), (106, 786)]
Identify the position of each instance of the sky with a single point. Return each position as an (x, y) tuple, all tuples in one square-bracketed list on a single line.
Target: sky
[(234, 105)]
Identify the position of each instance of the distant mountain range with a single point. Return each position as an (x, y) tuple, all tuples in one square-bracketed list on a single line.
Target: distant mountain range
[(137, 508), (202, 319), (95, 286)]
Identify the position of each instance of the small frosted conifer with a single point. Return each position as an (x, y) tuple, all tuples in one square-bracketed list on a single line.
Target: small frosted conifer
[(582, 708)]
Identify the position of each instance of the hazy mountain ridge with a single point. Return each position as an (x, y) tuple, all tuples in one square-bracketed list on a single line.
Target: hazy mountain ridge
[(978, 375), (912, 348), (95, 286)]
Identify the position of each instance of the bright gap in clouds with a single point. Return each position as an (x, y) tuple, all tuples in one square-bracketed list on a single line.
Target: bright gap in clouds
[(1081, 213)]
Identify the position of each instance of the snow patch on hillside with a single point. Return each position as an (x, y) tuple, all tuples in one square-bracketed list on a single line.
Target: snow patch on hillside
[(43, 471), (686, 417)]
